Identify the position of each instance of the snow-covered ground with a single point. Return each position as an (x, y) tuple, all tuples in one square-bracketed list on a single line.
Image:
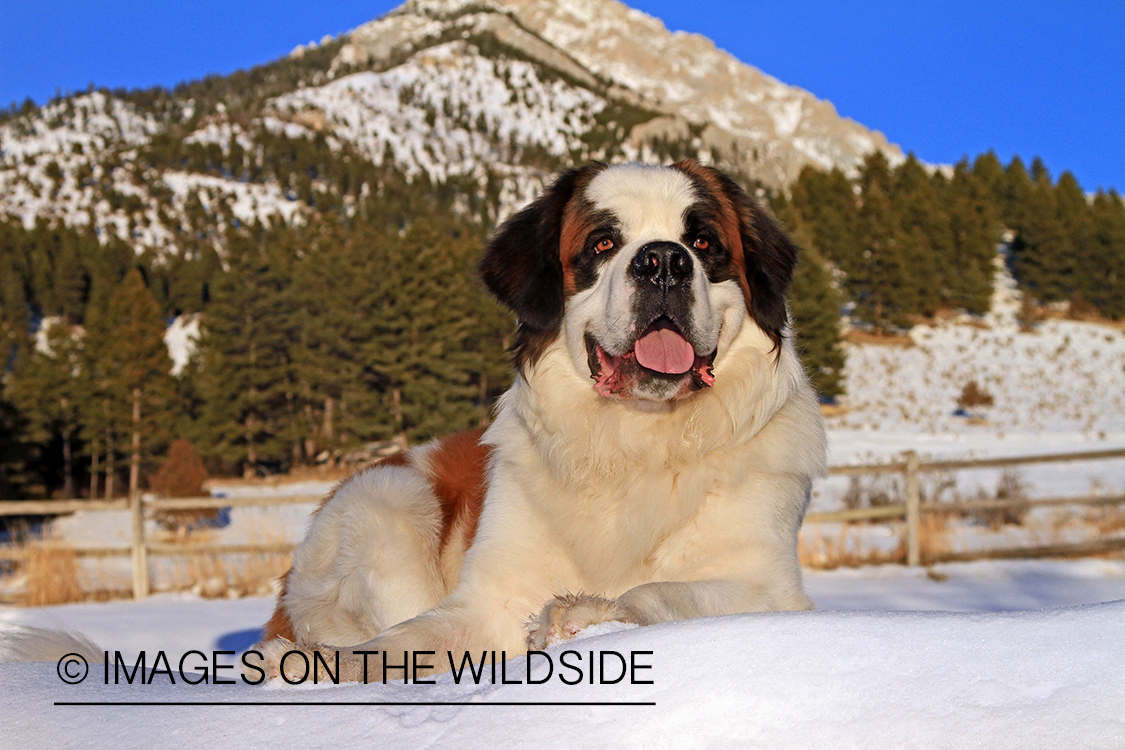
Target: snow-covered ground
[(966, 657)]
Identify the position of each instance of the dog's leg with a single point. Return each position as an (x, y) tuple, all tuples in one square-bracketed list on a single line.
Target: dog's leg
[(433, 642), (666, 601)]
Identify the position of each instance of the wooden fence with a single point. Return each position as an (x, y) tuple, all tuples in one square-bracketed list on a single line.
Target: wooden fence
[(911, 509)]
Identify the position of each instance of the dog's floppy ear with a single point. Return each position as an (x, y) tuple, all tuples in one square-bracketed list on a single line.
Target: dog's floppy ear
[(770, 259), (768, 255), (522, 264)]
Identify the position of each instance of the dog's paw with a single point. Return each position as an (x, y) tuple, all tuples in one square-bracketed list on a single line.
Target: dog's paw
[(297, 663), (273, 659), (565, 616)]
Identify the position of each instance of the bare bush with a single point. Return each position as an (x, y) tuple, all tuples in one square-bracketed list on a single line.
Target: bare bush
[(973, 395)]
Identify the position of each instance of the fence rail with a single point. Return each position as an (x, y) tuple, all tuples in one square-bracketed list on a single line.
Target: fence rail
[(911, 509)]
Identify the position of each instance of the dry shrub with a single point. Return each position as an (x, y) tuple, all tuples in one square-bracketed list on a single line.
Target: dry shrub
[(222, 575), (1010, 487), (873, 491), (182, 475), (51, 571), (879, 337), (1029, 315), (933, 535), (836, 545), (973, 395)]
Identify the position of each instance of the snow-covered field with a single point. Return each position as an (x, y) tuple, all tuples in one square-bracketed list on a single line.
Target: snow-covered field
[(966, 657)]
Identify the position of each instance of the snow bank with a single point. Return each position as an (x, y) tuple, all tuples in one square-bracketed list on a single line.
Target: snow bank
[(840, 678), (794, 680)]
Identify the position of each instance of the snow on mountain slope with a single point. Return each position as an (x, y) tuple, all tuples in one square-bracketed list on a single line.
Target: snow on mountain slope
[(76, 161), (449, 110), (768, 128), (1061, 377)]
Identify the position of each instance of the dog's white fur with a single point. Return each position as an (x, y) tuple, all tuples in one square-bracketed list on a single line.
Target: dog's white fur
[(656, 511)]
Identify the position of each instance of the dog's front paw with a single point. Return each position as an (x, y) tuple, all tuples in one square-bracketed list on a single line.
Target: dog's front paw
[(300, 663), (565, 616), (274, 663)]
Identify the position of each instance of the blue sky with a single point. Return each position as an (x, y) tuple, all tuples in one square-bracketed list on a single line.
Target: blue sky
[(941, 79)]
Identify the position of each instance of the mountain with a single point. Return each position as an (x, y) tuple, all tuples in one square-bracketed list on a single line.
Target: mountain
[(701, 93), (482, 100)]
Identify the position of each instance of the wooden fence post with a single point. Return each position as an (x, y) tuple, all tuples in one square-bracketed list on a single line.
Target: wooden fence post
[(913, 510), (140, 550)]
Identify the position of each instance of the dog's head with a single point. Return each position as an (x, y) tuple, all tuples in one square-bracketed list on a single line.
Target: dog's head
[(643, 271)]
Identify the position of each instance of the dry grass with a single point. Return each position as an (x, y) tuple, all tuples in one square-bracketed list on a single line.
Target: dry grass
[(828, 546), (1107, 519), (944, 532), (216, 575), (51, 574), (857, 336)]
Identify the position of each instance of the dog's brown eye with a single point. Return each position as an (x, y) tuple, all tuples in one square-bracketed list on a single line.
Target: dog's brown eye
[(701, 243), (604, 245)]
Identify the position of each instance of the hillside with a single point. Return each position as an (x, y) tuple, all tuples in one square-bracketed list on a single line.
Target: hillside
[(488, 98)]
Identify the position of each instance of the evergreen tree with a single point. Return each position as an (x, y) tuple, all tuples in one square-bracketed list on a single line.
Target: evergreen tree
[(814, 306), (1080, 252), (975, 232), (1042, 250), (246, 375), (336, 285), (927, 244), (435, 334), (14, 304), (881, 285), (1104, 276), (1017, 194), (989, 173), (826, 202), (129, 371), (46, 386)]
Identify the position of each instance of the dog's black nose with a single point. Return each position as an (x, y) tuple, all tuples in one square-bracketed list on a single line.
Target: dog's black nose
[(663, 263)]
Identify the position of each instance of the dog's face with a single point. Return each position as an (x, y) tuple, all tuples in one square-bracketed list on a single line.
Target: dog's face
[(644, 272)]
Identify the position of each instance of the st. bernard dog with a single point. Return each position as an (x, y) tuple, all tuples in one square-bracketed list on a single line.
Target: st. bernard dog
[(652, 461)]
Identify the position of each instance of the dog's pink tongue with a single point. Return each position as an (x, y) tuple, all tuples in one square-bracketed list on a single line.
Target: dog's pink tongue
[(663, 349)]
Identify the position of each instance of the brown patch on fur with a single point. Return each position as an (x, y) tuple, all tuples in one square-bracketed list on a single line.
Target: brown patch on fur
[(280, 625), (457, 468), (575, 226), (763, 254), (730, 221)]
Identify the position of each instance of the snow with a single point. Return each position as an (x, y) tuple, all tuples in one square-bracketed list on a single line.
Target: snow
[(998, 655), (427, 113), (1058, 387), (180, 337)]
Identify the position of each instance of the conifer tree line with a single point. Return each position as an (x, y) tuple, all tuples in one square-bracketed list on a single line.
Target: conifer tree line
[(368, 324), (898, 245), (907, 244), (315, 339)]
